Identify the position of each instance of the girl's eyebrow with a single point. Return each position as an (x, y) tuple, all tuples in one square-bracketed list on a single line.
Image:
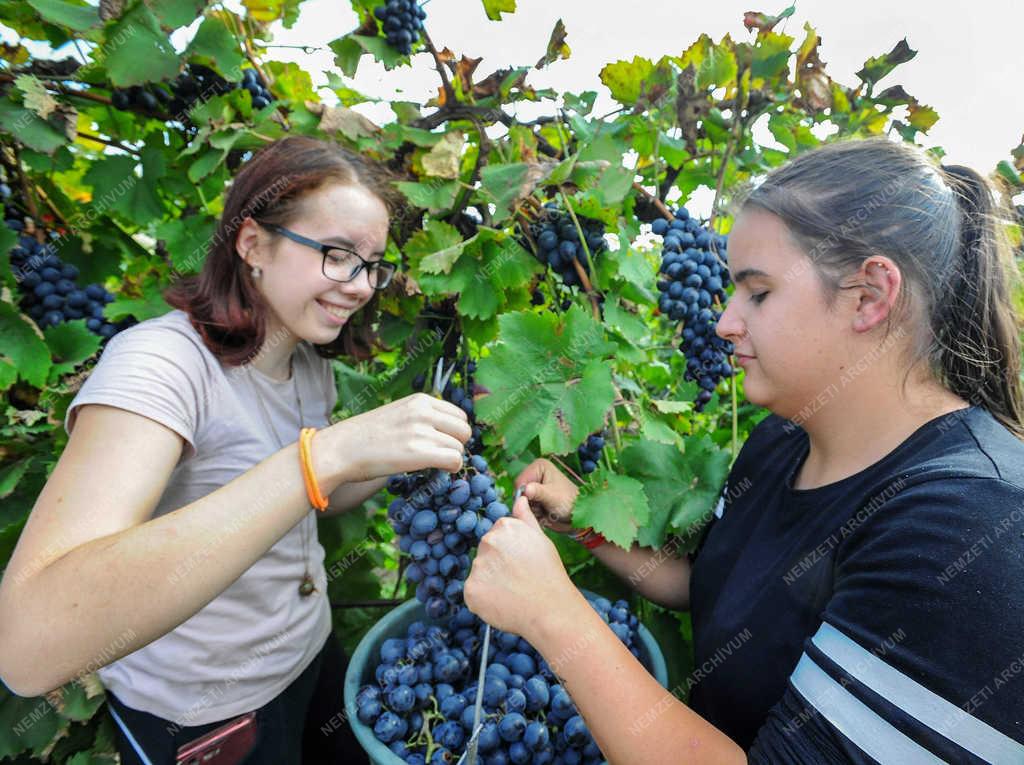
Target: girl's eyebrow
[(340, 240), (741, 276)]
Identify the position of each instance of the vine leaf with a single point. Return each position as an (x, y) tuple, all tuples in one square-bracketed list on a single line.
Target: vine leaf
[(682, 487), (614, 505), (70, 15), (445, 158), (557, 47), (138, 50), (71, 344), (877, 67), (24, 348), (494, 8), (547, 378)]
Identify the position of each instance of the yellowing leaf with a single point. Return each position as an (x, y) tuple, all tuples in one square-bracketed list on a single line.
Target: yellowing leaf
[(445, 158)]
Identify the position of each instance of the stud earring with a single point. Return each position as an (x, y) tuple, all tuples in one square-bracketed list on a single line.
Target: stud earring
[(257, 272)]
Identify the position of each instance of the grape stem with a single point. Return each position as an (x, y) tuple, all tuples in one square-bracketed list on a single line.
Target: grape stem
[(587, 285), (449, 94), (108, 142), (566, 468)]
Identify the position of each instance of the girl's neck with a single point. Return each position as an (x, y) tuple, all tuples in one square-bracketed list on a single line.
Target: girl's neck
[(849, 436)]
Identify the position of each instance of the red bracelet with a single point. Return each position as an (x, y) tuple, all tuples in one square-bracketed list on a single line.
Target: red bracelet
[(588, 538)]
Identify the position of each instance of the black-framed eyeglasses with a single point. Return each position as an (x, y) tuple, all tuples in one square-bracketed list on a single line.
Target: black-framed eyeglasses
[(341, 264)]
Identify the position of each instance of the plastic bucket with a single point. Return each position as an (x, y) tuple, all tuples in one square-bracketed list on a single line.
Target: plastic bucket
[(394, 624)]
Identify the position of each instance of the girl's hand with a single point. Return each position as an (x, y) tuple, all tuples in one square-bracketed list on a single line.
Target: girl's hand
[(551, 494), (517, 579), (413, 433)]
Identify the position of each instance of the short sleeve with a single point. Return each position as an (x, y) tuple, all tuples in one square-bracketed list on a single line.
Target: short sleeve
[(151, 370), (919, 657)]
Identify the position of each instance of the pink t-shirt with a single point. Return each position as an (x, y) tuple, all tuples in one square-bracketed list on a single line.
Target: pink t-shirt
[(244, 647)]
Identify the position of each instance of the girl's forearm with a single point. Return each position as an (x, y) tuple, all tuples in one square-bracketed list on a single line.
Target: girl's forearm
[(351, 495), (634, 720)]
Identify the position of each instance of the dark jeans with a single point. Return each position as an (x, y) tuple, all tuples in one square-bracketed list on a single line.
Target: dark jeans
[(305, 724)]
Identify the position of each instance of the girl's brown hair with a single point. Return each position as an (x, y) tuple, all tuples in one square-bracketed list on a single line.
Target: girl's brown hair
[(944, 227), (222, 302)]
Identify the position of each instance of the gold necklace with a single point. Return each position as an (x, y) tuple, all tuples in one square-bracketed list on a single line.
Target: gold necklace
[(306, 587)]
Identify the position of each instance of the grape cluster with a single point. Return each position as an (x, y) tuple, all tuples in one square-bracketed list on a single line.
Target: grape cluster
[(695, 274), (589, 452), (197, 83), (401, 22), (559, 245), (423, 703), (439, 517), (49, 293)]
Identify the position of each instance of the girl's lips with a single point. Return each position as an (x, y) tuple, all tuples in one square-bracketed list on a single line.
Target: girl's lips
[(743, 359), (331, 317)]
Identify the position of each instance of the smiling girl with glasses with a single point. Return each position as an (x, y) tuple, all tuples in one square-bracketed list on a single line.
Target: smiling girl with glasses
[(178, 525)]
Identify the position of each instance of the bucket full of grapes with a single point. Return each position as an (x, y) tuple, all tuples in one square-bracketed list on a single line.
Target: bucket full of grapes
[(411, 685)]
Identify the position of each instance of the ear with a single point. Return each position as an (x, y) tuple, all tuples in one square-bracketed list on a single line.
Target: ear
[(249, 243), (880, 284)]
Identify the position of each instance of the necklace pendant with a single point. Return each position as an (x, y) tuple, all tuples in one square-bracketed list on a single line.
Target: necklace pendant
[(307, 587)]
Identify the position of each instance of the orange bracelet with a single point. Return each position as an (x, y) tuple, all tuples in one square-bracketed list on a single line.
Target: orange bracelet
[(316, 498)]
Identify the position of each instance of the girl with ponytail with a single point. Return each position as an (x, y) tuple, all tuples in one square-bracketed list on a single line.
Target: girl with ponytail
[(859, 594)]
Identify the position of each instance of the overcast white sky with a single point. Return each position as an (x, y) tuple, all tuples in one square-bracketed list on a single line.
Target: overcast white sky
[(968, 65)]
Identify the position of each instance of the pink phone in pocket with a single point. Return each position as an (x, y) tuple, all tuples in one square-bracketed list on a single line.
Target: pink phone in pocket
[(227, 745)]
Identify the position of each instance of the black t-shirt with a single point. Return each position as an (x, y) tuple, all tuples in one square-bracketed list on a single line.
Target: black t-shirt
[(876, 619)]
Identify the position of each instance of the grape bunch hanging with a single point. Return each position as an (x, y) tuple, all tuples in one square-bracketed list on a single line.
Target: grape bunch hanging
[(401, 22), (194, 85), (49, 290), (694, 277), (439, 517), (559, 245), (422, 702), (589, 452)]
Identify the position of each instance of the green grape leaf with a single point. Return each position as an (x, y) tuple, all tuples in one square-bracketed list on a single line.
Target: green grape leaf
[(216, 42), (506, 185), (70, 344), (626, 78), (877, 67), (380, 50), (26, 723), (715, 65), (347, 52), (547, 377), (76, 16), (23, 346), (148, 306), (770, 55), (434, 248), (117, 187), (29, 129), (78, 706), (557, 47), (682, 487), (494, 8), (435, 196), (138, 50), (10, 475), (616, 506), (177, 13), (187, 241)]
